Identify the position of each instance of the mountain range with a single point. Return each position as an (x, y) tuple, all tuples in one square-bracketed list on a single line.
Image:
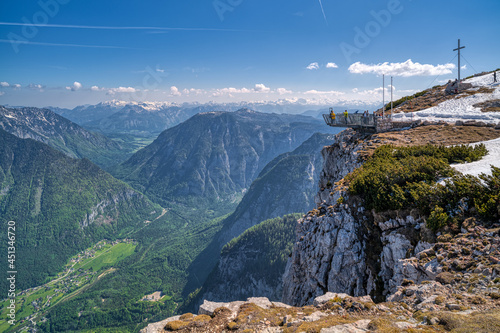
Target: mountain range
[(214, 156), (148, 119), (62, 134), (72, 203)]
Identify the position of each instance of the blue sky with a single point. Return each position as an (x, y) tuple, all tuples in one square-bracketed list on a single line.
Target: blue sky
[(89, 51)]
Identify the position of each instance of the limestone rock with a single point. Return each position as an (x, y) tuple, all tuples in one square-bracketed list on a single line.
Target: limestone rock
[(329, 256), (403, 325), (263, 302), (320, 300), (158, 326), (358, 327), (208, 308), (317, 315)]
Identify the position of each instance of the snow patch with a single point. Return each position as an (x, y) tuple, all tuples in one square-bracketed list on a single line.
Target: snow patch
[(461, 108), (483, 165)]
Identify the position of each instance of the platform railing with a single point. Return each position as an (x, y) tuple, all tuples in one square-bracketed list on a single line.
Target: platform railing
[(352, 120)]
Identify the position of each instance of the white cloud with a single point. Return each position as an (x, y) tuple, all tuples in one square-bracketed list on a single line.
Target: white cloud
[(313, 65), (193, 91), (35, 86), (319, 92), (283, 91), (4, 84), (160, 70), (259, 87), (76, 85), (174, 91), (16, 86), (372, 92), (95, 88), (332, 65), (405, 69), (464, 67), (2, 93), (113, 91), (229, 91)]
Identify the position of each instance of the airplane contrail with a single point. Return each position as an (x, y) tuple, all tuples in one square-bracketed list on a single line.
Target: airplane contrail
[(61, 44), (323, 11), (69, 26)]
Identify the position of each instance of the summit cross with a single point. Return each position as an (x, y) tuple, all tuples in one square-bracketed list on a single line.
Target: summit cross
[(458, 49)]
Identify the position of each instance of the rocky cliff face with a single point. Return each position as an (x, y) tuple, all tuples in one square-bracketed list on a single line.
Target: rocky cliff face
[(253, 263), (107, 210), (286, 185), (340, 247), (232, 271)]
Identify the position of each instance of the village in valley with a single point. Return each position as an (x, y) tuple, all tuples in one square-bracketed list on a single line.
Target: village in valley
[(81, 272)]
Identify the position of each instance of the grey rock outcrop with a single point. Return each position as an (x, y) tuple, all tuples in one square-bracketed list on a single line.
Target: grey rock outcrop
[(208, 308), (357, 327), (329, 251), (327, 297), (328, 256), (342, 248), (159, 326), (339, 159), (100, 212)]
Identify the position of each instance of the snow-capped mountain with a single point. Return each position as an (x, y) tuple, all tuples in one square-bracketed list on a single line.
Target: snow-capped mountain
[(117, 116)]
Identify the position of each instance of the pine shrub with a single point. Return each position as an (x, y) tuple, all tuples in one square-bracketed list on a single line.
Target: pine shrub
[(437, 219), (407, 177)]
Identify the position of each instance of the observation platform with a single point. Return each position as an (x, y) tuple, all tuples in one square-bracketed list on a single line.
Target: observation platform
[(353, 120)]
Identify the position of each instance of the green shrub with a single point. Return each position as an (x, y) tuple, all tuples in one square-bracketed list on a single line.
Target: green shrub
[(387, 180), (438, 219), (176, 325), (455, 154), (406, 177)]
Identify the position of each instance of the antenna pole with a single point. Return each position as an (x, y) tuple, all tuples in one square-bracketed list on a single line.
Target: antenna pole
[(391, 96), (383, 94)]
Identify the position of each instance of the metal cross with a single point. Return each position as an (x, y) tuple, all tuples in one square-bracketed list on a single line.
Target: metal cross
[(458, 49)]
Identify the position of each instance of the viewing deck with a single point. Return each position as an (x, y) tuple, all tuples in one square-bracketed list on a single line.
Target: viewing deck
[(354, 120)]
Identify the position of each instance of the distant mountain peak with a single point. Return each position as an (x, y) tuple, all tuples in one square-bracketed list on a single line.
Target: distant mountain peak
[(215, 154), (246, 110)]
